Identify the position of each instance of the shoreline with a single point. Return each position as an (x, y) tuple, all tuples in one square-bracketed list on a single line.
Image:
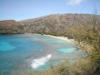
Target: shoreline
[(53, 36), (62, 38)]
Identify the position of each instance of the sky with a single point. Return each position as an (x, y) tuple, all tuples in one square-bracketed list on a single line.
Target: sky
[(27, 9)]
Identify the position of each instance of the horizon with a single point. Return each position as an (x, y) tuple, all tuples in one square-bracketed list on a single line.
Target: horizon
[(28, 9)]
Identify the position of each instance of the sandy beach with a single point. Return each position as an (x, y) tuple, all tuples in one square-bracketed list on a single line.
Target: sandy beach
[(62, 38)]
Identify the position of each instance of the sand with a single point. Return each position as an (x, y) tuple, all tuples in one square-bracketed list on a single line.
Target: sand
[(62, 38)]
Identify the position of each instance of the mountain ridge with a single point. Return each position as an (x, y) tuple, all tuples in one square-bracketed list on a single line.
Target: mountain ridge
[(58, 24)]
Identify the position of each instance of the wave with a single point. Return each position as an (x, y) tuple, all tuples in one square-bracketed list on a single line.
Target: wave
[(40, 61)]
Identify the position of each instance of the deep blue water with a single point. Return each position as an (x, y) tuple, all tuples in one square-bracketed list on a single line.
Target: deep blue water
[(17, 52)]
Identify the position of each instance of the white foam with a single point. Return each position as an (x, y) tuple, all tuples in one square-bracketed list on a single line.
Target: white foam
[(40, 61)]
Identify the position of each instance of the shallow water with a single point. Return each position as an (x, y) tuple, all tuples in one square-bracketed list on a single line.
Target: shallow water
[(20, 52)]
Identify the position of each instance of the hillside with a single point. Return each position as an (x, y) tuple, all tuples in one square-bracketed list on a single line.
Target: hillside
[(58, 24)]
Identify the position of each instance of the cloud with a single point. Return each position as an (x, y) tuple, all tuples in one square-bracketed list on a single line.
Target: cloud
[(74, 2)]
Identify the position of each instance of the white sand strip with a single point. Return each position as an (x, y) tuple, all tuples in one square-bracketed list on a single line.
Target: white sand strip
[(62, 38)]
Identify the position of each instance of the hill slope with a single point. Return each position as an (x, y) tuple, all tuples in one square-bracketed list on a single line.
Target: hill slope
[(58, 24)]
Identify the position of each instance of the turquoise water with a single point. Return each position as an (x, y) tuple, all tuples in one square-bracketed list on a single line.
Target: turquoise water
[(17, 52), (6, 46), (67, 50)]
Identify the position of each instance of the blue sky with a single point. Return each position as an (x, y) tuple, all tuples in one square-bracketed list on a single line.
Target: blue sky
[(25, 9)]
